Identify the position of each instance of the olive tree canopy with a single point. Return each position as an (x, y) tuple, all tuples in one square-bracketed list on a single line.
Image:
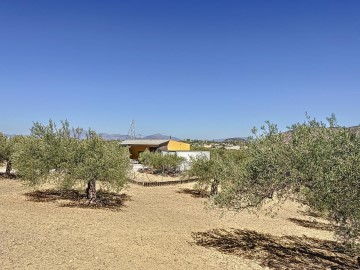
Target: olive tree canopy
[(315, 163), (60, 155)]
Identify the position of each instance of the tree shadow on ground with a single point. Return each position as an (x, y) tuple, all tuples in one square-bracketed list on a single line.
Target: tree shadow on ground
[(7, 176), (75, 198), (196, 193), (279, 253), (311, 213), (314, 224)]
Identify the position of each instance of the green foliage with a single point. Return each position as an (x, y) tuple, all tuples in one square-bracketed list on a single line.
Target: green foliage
[(161, 162), (95, 159), (327, 166), (220, 168), (5, 149), (52, 154), (44, 155), (316, 163)]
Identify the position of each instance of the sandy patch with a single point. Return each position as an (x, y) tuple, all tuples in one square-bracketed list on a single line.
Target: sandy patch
[(149, 177)]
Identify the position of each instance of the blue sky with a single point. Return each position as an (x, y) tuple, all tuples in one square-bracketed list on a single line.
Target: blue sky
[(191, 69)]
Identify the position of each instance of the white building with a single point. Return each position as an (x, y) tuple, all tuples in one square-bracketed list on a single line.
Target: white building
[(188, 155)]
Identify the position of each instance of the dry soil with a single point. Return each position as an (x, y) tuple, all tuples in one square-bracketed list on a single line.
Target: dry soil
[(154, 230)]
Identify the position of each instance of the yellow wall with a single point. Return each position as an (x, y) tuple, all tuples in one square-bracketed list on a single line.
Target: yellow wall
[(174, 146), (171, 146), (135, 149)]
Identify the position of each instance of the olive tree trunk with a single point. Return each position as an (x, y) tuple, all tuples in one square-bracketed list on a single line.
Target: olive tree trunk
[(214, 187), (91, 191), (8, 168)]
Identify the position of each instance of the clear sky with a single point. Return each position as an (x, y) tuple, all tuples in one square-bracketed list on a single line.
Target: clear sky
[(191, 69)]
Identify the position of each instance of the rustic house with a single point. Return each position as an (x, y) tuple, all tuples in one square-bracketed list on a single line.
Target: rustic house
[(138, 146)]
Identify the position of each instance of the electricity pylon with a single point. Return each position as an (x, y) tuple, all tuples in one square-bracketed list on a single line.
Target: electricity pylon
[(131, 133)]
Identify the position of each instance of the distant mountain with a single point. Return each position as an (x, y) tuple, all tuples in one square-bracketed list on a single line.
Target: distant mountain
[(159, 136), (114, 137), (120, 137)]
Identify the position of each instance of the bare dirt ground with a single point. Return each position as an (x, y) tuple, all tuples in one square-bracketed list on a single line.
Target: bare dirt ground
[(148, 177), (165, 227)]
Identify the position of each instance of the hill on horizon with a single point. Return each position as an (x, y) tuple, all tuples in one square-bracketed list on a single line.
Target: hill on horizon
[(120, 137), (159, 136)]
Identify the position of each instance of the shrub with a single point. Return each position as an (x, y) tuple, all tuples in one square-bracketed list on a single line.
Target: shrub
[(164, 163)]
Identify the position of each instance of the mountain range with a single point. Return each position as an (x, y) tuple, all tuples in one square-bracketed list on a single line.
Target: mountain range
[(157, 136)]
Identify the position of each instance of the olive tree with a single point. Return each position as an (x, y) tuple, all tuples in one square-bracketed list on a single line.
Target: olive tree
[(6, 152), (315, 163), (327, 167), (96, 160), (61, 156), (212, 172), (263, 173)]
